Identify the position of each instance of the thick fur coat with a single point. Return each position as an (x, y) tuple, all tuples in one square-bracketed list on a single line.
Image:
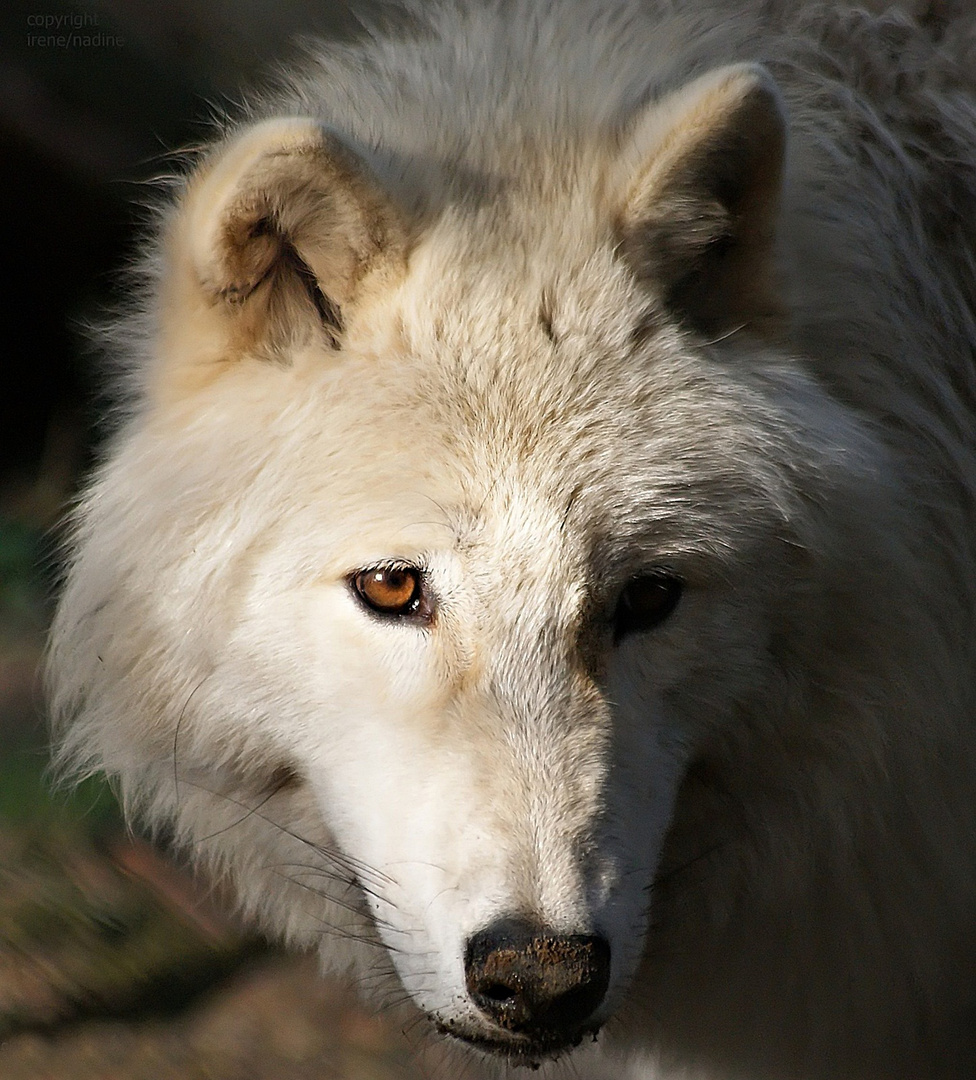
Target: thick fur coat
[(542, 520)]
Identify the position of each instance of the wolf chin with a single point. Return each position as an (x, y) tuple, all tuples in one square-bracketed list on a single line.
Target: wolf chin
[(535, 558)]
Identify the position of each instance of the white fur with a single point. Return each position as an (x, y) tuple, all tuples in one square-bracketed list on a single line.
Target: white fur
[(765, 803)]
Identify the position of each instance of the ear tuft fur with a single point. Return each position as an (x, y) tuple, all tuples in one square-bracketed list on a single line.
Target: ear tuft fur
[(274, 243), (701, 175)]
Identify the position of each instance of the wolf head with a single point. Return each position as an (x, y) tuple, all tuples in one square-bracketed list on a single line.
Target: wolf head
[(457, 532)]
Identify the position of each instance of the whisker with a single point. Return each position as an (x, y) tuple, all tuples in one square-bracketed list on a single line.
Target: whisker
[(352, 880), (358, 868), (176, 739), (407, 1029), (344, 904), (724, 337), (233, 825), (346, 935), (663, 879), (392, 1003)]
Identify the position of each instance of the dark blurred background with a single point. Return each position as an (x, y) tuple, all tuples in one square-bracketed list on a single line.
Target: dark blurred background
[(114, 961)]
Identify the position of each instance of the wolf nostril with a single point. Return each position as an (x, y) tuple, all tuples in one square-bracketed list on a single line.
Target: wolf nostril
[(533, 983), (498, 992)]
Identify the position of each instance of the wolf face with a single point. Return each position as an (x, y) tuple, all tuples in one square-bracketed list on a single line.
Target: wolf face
[(448, 582)]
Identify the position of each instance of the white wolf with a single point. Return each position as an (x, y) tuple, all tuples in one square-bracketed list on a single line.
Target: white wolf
[(536, 561)]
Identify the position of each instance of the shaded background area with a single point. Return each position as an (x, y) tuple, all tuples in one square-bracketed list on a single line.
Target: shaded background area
[(114, 963)]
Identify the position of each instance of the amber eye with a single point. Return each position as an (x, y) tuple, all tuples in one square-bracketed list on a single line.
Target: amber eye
[(645, 602), (391, 590)]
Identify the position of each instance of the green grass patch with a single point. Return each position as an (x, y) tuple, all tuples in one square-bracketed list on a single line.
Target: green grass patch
[(29, 796)]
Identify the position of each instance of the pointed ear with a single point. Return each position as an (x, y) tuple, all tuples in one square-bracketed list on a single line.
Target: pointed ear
[(701, 177), (278, 237)]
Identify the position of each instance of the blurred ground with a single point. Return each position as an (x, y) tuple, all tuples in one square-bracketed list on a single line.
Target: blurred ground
[(274, 1020)]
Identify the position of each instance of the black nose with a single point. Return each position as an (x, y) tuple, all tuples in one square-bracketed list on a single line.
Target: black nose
[(542, 985)]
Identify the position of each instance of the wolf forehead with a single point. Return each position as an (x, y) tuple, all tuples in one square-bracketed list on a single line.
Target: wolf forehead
[(507, 411), (628, 220)]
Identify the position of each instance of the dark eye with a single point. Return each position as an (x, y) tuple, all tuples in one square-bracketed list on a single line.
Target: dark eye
[(645, 602), (392, 590)]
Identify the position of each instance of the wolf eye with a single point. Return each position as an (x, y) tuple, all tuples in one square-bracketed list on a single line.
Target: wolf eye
[(392, 590), (645, 602)]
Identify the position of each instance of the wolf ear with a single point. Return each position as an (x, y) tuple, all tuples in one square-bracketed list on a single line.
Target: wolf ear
[(701, 175), (274, 241)]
